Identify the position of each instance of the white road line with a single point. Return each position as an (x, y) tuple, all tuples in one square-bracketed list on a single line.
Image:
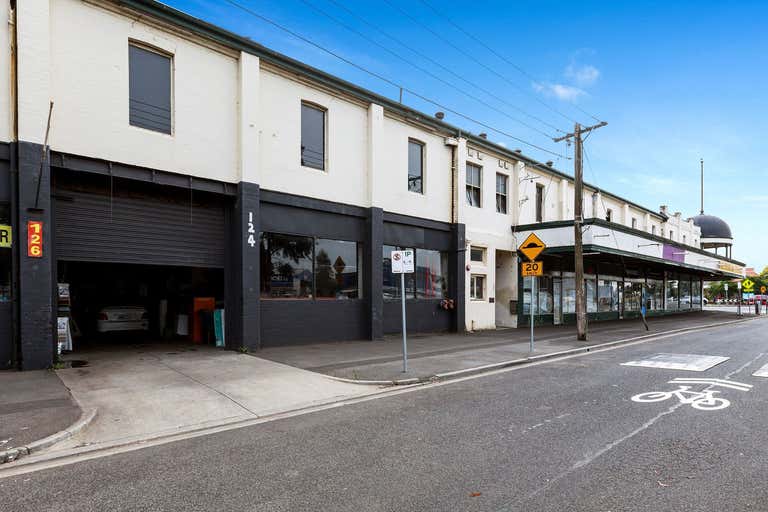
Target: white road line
[(687, 362), (739, 386), (762, 372)]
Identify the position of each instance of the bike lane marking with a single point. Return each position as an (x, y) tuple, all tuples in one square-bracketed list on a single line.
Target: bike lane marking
[(761, 372), (687, 362)]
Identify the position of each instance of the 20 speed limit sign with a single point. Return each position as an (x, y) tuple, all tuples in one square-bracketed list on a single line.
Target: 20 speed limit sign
[(532, 268)]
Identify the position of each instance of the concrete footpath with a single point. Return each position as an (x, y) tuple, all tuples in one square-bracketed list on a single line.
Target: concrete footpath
[(150, 391), (33, 406), (441, 355)]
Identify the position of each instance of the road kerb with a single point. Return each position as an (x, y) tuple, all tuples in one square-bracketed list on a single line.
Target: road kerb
[(525, 360), (86, 417)]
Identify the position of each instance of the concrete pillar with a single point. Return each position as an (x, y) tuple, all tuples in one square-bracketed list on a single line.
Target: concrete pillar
[(249, 118), (36, 275), (375, 155), (458, 276), (373, 277), (243, 310), (33, 70), (514, 205), (625, 215), (461, 181), (564, 211), (647, 222)]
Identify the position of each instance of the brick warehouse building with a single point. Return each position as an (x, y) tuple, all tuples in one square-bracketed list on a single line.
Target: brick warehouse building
[(185, 161)]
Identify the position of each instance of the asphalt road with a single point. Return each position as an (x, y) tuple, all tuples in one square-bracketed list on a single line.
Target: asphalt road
[(560, 436)]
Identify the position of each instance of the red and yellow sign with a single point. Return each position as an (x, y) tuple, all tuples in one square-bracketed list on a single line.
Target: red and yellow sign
[(34, 239)]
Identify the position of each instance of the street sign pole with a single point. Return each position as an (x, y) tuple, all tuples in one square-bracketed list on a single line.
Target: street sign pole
[(405, 341), (402, 263), (738, 298), (531, 247), (533, 307)]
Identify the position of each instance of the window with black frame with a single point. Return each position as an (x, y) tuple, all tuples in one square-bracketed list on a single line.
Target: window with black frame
[(5, 253), (303, 267), (415, 166), (312, 136), (149, 89), (336, 271)]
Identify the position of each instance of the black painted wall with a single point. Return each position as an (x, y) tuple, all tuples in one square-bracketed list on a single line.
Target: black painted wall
[(286, 322), (35, 287), (242, 273), (6, 308)]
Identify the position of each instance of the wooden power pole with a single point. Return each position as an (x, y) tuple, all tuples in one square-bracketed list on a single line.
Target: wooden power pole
[(578, 220)]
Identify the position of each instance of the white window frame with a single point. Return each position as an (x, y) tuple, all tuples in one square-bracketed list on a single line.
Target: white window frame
[(483, 250), (473, 287), (479, 186), (505, 194)]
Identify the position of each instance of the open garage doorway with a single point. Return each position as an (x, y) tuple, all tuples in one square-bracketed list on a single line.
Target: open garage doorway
[(122, 304)]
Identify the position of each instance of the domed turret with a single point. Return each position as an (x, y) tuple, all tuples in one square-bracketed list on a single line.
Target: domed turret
[(715, 233), (712, 227)]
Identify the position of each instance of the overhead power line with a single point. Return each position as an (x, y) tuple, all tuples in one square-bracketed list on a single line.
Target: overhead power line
[(436, 63), (424, 70), (478, 62), (385, 79), (500, 56)]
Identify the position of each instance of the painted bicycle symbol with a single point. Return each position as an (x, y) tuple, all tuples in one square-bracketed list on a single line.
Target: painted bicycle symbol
[(704, 400)]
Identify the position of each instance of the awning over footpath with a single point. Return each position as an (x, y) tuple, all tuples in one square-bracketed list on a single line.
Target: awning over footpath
[(617, 243)]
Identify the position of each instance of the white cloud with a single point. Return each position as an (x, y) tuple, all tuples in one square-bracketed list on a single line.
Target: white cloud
[(583, 76), (560, 91)]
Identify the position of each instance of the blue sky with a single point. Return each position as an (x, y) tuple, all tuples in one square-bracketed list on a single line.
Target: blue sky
[(676, 81)]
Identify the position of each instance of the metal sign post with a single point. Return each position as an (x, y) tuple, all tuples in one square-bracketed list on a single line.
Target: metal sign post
[(533, 307), (738, 285), (402, 263), (531, 248)]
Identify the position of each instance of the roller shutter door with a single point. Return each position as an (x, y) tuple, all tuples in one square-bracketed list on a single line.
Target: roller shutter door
[(134, 229)]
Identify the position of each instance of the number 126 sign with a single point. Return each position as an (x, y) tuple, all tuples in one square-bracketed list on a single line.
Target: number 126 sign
[(34, 239)]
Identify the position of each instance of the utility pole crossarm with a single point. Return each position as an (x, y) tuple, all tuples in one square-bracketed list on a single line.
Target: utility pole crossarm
[(583, 131)]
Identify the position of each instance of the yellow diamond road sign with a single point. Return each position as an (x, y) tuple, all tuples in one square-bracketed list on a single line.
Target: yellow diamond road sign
[(532, 247), (748, 284)]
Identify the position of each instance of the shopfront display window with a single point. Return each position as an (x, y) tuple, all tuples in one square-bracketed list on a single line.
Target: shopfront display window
[(336, 270), (429, 281), (671, 293), (654, 294), (608, 295), (302, 267), (685, 292), (431, 274), (569, 292), (590, 284), (696, 293), (286, 266), (633, 291), (544, 291)]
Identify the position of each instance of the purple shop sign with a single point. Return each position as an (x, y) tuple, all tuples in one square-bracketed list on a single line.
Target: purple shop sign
[(673, 253)]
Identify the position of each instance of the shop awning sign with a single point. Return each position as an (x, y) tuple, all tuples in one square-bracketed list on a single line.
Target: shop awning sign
[(748, 285), (532, 247), (6, 236)]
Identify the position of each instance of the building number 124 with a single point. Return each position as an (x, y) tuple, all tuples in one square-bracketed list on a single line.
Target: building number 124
[(251, 231)]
